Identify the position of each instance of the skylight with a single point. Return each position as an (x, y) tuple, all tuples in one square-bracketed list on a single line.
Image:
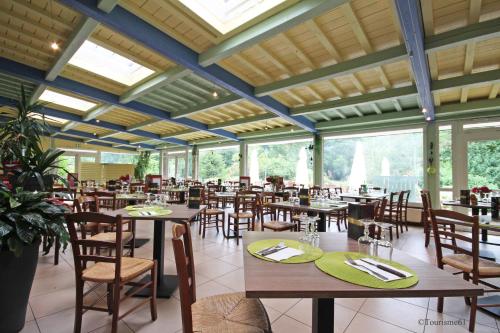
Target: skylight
[(65, 100), (227, 15), (103, 62)]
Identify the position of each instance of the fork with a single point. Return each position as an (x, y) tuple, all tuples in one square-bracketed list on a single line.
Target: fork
[(352, 262)]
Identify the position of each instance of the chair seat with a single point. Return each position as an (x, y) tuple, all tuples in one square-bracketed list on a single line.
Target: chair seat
[(105, 272), (111, 236), (279, 225), (230, 313), (244, 215), (214, 211), (464, 263)]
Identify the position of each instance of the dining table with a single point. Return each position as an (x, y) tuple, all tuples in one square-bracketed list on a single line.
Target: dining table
[(371, 196), (321, 208), (180, 213), (267, 279), (479, 206)]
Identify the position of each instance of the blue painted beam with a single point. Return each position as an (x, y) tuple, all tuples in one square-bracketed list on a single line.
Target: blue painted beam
[(412, 27), (132, 26), (38, 76)]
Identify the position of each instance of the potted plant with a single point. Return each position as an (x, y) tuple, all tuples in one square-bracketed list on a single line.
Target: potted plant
[(26, 216)]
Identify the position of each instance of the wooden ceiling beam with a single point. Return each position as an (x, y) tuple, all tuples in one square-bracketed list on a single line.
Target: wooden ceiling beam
[(299, 53), (278, 23), (494, 91), (247, 120), (323, 39), (154, 83), (206, 106)]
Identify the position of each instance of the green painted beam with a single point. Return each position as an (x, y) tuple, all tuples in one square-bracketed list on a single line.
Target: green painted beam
[(69, 125), (371, 119), (477, 32), (208, 141), (37, 93), (107, 135), (154, 83), (271, 132), (77, 38), (246, 120), (174, 134), (143, 124), (470, 108), (340, 69), (282, 21), (97, 111), (355, 100), (107, 5), (466, 80), (207, 106)]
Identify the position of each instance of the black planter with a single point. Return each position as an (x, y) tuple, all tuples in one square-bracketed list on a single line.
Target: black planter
[(16, 278)]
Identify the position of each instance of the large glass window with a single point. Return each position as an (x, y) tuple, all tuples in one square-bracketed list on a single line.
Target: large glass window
[(290, 159), (118, 158), (87, 159), (68, 163), (482, 163), (154, 164), (391, 160), (220, 163)]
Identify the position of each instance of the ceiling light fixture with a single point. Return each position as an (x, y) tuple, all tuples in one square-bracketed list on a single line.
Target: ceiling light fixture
[(97, 121), (428, 118), (215, 94), (54, 46), (424, 110)]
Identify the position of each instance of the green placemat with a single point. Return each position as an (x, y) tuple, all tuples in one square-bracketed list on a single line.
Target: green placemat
[(150, 211), (311, 253), (333, 263)]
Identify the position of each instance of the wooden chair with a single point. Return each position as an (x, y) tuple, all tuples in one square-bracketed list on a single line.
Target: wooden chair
[(272, 224), (114, 271), (211, 216), (465, 254), (314, 191), (245, 212), (425, 216), (339, 216), (404, 210), (212, 200), (264, 209), (393, 212), (220, 313)]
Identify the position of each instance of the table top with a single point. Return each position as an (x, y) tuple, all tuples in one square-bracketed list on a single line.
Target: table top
[(175, 189), (179, 213), (266, 279), (457, 203), (369, 196), (131, 196), (312, 208)]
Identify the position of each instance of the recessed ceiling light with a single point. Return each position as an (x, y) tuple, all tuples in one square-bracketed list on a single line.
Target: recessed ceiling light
[(215, 94), (101, 61), (428, 118), (424, 110), (95, 134), (54, 46), (97, 121)]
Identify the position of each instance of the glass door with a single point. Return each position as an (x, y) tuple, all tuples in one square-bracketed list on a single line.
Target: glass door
[(175, 165)]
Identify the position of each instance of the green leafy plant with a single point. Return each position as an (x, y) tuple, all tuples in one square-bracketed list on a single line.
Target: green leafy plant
[(26, 216), (142, 165)]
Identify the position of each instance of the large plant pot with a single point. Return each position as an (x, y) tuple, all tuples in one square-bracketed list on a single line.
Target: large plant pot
[(16, 278)]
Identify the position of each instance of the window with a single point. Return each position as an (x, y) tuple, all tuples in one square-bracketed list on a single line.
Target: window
[(227, 15), (220, 163), (482, 163), (87, 159), (101, 61), (65, 100), (118, 158), (68, 163), (391, 160), (290, 159), (154, 164), (445, 163)]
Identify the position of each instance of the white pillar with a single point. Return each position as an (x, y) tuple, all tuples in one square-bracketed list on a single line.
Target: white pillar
[(318, 160), (195, 157), (243, 159)]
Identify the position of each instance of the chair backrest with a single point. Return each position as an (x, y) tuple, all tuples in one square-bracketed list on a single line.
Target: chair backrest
[(443, 227), (106, 199), (314, 190), (184, 261), (86, 203), (246, 201), (80, 243), (405, 199), (379, 213), (337, 190), (426, 205)]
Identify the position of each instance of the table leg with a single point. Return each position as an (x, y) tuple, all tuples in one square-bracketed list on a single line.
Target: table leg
[(166, 284), (322, 222), (182, 197), (322, 315)]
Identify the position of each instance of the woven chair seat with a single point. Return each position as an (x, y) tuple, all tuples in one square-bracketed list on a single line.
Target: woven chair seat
[(111, 236), (463, 262), (230, 313), (244, 215), (105, 272), (279, 225), (214, 211)]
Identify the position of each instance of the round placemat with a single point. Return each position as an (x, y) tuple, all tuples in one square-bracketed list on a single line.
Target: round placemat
[(333, 263), (311, 253)]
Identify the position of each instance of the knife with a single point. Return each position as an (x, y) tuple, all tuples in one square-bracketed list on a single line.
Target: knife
[(271, 250), (385, 268)]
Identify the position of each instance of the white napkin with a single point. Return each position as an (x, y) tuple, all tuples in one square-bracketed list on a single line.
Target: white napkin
[(286, 253), (390, 277)]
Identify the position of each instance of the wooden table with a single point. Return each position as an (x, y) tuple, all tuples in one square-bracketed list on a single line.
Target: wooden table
[(265, 279), (358, 197), (483, 206), (321, 210), (180, 213)]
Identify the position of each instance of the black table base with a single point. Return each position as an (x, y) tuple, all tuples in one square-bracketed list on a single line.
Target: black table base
[(164, 288), (323, 315)]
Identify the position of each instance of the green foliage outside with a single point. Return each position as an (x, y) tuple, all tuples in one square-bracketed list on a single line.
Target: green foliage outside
[(223, 164), (483, 163)]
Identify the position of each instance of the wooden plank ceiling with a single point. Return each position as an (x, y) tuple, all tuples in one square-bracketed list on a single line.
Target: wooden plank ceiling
[(349, 62)]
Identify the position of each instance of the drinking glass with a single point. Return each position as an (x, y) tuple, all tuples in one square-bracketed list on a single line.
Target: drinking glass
[(148, 199), (365, 242), (383, 242)]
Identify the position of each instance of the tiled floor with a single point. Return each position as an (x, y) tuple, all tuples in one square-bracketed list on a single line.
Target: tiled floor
[(218, 264)]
